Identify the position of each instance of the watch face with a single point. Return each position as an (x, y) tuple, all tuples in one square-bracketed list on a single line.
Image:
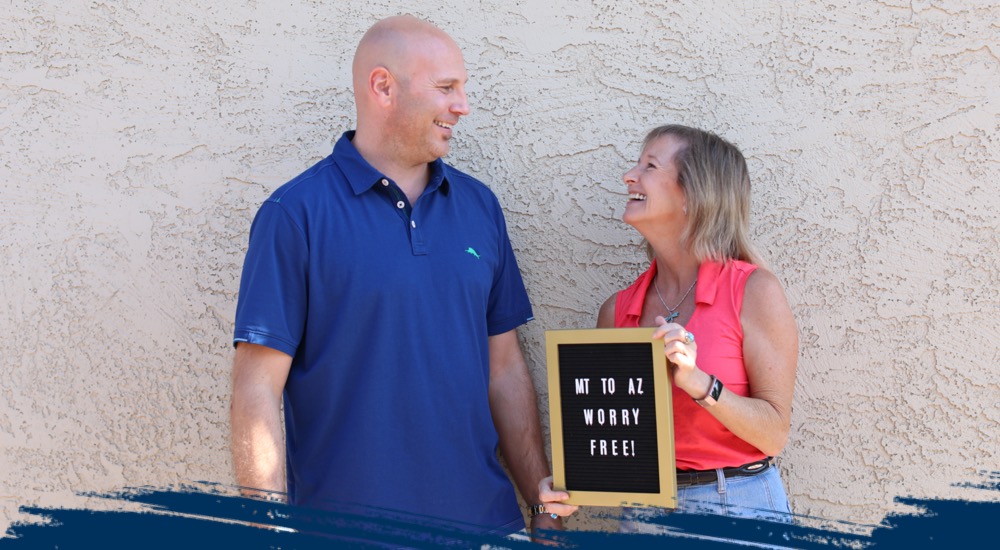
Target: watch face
[(716, 390)]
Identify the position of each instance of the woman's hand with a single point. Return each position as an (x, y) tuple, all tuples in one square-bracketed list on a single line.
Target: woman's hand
[(681, 350)]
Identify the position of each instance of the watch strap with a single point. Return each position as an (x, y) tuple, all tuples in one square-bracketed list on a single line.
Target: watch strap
[(714, 392)]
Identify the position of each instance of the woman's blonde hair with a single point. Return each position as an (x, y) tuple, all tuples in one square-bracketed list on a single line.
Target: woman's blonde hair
[(713, 175)]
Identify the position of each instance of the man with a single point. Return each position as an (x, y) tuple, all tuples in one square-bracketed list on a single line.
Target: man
[(380, 297)]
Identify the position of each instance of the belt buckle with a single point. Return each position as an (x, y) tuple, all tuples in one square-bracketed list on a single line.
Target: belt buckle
[(755, 467)]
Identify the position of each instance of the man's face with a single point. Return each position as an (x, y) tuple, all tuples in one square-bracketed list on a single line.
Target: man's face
[(431, 99)]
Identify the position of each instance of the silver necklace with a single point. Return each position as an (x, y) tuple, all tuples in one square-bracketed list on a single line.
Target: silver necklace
[(673, 313)]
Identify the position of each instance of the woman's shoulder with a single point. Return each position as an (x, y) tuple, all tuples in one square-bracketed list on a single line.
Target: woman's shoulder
[(761, 281), (764, 299), (606, 315)]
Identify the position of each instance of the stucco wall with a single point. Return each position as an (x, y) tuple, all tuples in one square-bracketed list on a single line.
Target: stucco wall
[(138, 138)]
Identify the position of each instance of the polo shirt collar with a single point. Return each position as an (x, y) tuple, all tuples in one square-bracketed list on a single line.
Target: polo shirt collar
[(704, 292), (708, 281), (363, 176)]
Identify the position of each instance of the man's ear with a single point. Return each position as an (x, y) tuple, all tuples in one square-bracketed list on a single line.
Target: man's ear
[(380, 85)]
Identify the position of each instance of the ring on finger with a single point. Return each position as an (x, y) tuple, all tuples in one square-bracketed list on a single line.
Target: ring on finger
[(688, 338)]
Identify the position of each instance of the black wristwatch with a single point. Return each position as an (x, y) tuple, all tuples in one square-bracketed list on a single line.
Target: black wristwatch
[(536, 509), (712, 397)]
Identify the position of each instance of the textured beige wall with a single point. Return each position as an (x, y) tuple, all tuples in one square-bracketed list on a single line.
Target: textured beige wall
[(138, 138)]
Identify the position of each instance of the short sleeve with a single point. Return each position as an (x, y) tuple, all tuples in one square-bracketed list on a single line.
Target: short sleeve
[(509, 306), (272, 305)]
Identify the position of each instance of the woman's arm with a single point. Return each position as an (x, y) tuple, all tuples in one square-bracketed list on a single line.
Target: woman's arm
[(770, 354)]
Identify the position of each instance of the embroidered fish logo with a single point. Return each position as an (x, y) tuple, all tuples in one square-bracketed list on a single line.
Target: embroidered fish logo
[(472, 251)]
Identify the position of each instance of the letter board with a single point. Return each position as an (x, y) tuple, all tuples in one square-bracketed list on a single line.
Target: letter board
[(611, 417)]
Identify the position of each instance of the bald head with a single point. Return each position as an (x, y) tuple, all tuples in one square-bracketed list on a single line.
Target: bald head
[(392, 43)]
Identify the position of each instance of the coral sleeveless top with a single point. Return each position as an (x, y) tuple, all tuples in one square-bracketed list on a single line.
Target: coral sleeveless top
[(701, 441)]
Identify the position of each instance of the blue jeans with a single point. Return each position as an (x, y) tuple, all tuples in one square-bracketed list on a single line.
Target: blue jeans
[(756, 497)]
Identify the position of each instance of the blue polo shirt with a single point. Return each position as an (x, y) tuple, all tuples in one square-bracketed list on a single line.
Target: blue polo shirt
[(385, 308)]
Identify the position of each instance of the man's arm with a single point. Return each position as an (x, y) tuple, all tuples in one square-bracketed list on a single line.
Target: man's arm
[(515, 415), (257, 444)]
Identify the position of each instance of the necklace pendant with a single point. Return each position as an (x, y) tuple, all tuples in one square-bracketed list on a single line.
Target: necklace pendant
[(673, 312)]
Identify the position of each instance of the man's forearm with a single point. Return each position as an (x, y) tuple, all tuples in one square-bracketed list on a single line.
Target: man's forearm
[(515, 415), (257, 441)]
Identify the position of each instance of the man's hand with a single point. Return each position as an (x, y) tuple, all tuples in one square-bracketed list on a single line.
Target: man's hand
[(553, 500), (555, 510)]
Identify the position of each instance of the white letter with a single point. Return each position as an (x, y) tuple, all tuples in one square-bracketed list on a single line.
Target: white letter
[(600, 416), (588, 417), (582, 386), (592, 443)]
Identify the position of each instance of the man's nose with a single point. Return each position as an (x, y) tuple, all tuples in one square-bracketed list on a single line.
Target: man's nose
[(461, 105)]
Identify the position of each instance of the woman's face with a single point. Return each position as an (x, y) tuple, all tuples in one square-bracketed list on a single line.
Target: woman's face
[(655, 199)]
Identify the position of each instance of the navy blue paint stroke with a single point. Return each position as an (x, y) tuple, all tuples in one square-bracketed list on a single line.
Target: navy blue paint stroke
[(204, 517)]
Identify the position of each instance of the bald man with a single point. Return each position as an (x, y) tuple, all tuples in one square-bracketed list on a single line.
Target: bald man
[(380, 299)]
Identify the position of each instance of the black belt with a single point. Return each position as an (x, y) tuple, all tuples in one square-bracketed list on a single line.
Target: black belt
[(686, 478)]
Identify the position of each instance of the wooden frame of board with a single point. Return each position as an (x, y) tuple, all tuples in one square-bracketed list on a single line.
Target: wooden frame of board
[(610, 473)]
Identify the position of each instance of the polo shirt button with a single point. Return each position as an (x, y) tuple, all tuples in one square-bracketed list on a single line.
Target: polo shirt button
[(413, 224), (400, 204), (385, 182)]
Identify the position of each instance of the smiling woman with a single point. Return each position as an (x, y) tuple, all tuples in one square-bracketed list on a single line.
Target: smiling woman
[(731, 345), (689, 196)]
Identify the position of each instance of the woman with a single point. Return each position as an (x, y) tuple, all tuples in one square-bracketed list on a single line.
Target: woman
[(729, 336)]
